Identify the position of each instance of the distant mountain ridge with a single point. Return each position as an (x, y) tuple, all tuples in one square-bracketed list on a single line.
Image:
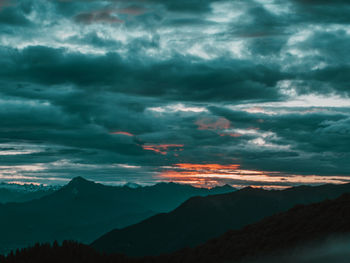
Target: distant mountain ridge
[(83, 210), (23, 193), (202, 218)]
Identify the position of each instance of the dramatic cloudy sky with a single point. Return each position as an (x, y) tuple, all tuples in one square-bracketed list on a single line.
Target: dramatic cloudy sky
[(245, 92)]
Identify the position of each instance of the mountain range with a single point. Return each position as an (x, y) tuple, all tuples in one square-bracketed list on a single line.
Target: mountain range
[(314, 233), (201, 218), (83, 210)]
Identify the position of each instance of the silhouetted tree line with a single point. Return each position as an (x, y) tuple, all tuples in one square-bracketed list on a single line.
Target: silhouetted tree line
[(67, 252)]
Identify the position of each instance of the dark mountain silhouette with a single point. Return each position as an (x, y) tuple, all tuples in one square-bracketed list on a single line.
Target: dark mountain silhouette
[(201, 218), (289, 237), (303, 225), (83, 210)]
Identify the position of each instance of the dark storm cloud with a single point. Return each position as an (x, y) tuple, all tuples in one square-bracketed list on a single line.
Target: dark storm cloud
[(330, 79), (322, 2), (235, 80), (103, 16), (319, 141), (330, 47), (321, 11), (186, 6), (81, 120), (178, 6), (265, 32), (11, 15), (312, 131), (329, 50), (261, 23), (41, 123)]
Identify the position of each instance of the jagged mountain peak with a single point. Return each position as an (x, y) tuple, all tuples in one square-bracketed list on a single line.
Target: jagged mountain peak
[(80, 184), (79, 179)]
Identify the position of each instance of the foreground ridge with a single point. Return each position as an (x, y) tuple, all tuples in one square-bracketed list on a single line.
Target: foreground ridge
[(201, 218)]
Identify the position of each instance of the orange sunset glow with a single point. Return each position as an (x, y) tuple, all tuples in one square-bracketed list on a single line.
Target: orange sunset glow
[(210, 175), (210, 124), (122, 133), (161, 148), (207, 168)]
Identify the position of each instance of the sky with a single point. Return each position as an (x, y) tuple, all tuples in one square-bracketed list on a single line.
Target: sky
[(204, 92)]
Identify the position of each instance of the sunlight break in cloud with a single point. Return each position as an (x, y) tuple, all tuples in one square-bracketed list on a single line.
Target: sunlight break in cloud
[(178, 108), (162, 148), (122, 133), (127, 166), (209, 175)]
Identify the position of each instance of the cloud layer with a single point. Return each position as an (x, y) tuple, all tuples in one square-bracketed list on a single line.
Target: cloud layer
[(126, 91)]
